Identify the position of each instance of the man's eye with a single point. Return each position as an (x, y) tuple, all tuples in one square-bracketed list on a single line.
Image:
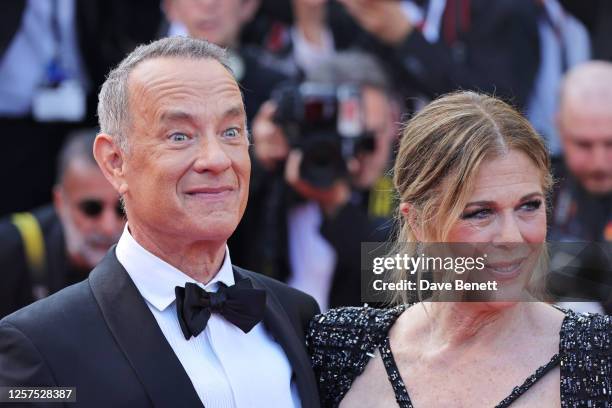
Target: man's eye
[(231, 133), (178, 137)]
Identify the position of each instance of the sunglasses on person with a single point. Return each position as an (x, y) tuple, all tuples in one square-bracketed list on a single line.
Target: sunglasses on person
[(93, 208)]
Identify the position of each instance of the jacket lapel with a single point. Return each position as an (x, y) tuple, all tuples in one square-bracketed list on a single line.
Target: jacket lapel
[(277, 322), (138, 335)]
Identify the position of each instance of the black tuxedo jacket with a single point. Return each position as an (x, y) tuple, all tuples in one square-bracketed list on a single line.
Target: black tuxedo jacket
[(100, 337)]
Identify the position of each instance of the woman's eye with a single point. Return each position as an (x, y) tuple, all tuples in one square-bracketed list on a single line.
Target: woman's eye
[(532, 205), (179, 137), (231, 132), (477, 214)]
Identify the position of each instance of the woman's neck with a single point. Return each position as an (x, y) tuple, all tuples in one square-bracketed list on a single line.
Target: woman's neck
[(456, 324)]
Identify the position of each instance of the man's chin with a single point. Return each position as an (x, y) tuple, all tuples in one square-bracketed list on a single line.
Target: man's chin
[(212, 229)]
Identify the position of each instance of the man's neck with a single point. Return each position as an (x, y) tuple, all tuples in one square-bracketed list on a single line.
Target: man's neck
[(200, 260)]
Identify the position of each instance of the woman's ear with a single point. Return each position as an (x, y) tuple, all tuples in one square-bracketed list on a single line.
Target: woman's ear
[(410, 216), (111, 160)]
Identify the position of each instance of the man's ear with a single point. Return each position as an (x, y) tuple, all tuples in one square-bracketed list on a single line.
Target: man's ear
[(248, 10), (410, 216), (111, 160)]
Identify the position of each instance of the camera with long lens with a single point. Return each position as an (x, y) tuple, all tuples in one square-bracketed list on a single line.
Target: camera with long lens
[(325, 123)]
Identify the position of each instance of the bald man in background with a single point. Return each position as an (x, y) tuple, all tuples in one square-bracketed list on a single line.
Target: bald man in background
[(582, 199)]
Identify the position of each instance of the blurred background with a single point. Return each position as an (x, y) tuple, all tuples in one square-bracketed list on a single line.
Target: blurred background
[(326, 85)]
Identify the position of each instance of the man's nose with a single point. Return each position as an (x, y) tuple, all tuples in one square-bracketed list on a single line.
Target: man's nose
[(211, 156)]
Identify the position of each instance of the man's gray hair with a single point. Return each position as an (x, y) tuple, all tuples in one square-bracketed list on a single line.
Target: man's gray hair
[(353, 67), (113, 100)]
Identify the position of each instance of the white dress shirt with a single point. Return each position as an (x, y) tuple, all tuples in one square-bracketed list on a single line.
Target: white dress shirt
[(228, 368)]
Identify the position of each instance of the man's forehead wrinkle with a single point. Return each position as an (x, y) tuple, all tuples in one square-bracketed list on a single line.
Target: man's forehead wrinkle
[(174, 87), (160, 74), (162, 98)]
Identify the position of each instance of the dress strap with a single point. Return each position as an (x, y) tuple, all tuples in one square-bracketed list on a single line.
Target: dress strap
[(532, 379), (399, 388)]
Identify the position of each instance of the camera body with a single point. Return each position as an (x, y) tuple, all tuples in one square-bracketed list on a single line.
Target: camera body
[(326, 123)]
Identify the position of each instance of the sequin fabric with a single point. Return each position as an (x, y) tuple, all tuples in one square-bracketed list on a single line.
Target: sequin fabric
[(342, 341)]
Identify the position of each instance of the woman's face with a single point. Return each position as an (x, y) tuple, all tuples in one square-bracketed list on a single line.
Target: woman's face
[(505, 217), (507, 204)]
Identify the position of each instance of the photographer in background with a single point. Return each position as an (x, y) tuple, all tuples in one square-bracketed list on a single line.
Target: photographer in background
[(319, 189), (57, 245)]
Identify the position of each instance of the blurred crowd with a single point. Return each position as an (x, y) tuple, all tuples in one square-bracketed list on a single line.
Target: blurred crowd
[(326, 85)]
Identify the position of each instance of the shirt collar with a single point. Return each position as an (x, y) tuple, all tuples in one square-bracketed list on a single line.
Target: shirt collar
[(155, 278)]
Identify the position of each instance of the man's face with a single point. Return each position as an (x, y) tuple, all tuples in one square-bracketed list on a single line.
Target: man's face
[(88, 207), (586, 133), (379, 119), (187, 167), (218, 21)]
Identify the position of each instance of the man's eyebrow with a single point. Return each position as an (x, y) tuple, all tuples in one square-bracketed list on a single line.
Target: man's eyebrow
[(236, 110), (176, 115), (523, 198)]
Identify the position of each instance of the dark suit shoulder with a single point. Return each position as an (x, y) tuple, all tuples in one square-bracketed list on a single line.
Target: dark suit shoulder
[(21, 363), (342, 341), (63, 310), (37, 341)]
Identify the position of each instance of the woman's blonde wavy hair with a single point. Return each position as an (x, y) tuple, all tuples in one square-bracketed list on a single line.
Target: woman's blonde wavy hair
[(440, 152)]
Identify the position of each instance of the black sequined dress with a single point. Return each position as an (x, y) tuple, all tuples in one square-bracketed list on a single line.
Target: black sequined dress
[(342, 341)]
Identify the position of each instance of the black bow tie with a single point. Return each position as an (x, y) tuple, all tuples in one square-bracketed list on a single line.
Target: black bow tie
[(240, 304)]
